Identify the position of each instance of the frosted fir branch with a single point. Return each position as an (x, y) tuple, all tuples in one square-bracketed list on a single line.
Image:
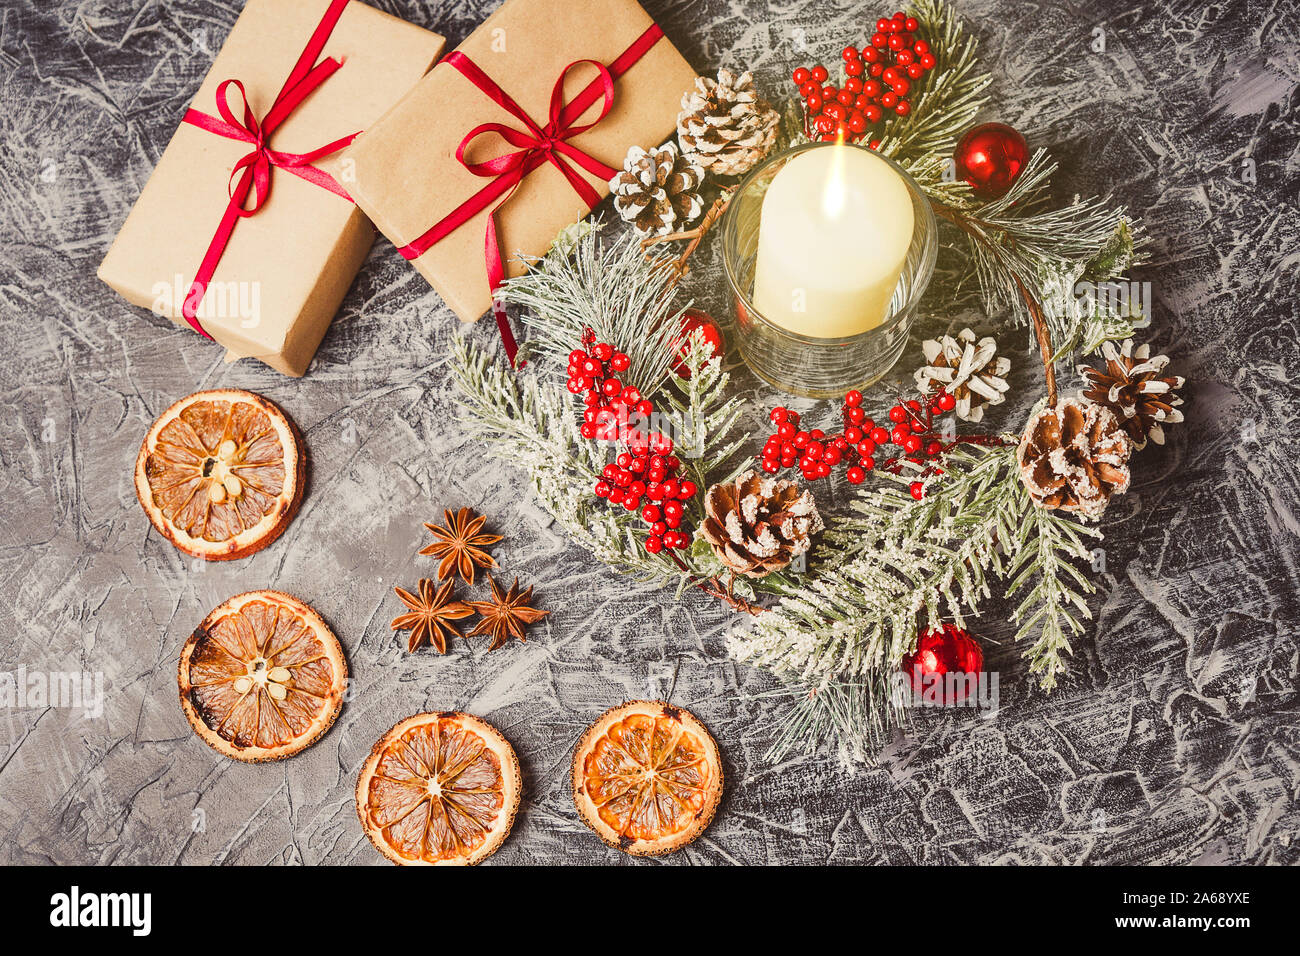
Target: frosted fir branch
[(854, 719), (621, 293), (931, 556), (701, 415), (1016, 241), (914, 564), (1046, 568)]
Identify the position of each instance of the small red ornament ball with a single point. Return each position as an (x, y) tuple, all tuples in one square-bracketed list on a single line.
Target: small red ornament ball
[(990, 157), (693, 319), (944, 650)]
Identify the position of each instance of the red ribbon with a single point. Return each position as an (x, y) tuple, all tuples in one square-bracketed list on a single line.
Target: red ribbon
[(256, 165), (534, 146)]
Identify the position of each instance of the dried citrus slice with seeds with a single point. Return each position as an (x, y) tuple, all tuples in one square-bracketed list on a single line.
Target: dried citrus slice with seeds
[(221, 473), (647, 777), (439, 789), (262, 677)]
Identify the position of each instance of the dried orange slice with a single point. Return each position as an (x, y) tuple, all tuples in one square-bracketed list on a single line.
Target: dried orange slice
[(647, 777), (262, 677), (221, 474), (439, 789)]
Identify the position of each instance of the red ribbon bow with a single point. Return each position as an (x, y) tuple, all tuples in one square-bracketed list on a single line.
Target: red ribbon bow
[(534, 146), (256, 165)]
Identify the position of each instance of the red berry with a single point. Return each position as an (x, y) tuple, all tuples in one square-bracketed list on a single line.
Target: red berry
[(771, 466), (873, 114), (801, 440), (915, 71), (889, 100), (900, 434), (686, 489), (878, 40), (917, 490), (879, 435), (853, 399), (778, 415), (901, 86), (854, 85), (644, 408), (911, 444), (903, 108), (845, 97), (588, 430), (927, 61), (875, 69), (933, 448), (947, 402), (868, 463), (801, 76), (852, 435), (631, 502), (866, 447), (620, 362), (882, 25), (856, 475), (850, 54), (611, 387), (904, 57), (855, 416), (911, 25), (602, 489), (654, 544), (870, 54), (898, 414), (819, 74), (853, 68), (831, 455)]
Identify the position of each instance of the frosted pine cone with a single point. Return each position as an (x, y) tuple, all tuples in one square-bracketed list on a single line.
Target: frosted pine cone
[(1132, 387), (724, 125), (657, 191), (758, 524), (969, 371), (1074, 457)]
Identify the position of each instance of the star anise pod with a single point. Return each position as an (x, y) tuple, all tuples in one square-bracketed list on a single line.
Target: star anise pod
[(460, 544), (506, 615), (430, 617)]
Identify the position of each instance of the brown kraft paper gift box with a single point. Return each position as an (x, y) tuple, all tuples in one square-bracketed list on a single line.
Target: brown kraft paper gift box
[(408, 177), (287, 267)]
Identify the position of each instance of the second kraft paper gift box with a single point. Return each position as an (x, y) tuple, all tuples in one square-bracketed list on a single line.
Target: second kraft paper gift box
[(431, 203), (279, 276)]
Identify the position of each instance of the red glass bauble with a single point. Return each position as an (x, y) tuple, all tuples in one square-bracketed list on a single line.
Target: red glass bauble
[(693, 319), (990, 157), (944, 650)]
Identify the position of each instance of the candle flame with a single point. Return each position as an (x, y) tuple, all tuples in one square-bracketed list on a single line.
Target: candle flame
[(834, 195)]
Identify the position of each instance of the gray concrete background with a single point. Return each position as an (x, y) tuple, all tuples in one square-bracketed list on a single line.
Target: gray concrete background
[(1174, 739)]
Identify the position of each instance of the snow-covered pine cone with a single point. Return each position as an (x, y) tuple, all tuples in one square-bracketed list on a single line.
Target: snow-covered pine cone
[(758, 524), (1132, 386), (658, 190), (725, 126), (1074, 457)]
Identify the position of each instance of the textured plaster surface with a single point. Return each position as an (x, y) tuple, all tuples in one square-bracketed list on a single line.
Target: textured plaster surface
[(1175, 738)]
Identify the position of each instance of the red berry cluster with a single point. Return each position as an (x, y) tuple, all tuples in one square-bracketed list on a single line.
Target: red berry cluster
[(816, 453), (644, 477), (877, 79)]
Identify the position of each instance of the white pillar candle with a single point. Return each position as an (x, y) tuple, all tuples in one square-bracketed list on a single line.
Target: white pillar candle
[(836, 225)]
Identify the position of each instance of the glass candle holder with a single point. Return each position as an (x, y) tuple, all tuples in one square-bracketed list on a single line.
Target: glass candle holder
[(808, 365)]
